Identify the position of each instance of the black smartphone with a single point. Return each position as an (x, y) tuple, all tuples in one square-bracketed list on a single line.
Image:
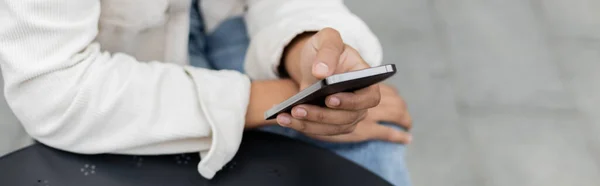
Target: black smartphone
[(345, 82)]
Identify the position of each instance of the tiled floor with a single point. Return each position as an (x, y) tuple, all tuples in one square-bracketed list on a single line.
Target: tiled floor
[(503, 92)]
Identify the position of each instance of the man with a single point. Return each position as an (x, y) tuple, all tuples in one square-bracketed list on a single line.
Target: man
[(74, 79)]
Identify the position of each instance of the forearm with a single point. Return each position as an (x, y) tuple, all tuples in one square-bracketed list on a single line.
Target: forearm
[(265, 94)]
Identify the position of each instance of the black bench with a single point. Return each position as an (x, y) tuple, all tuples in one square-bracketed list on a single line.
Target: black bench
[(263, 159)]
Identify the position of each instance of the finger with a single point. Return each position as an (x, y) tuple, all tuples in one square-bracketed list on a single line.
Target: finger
[(329, 46), (344, 138), (403, 117), (350, 60), (386, 114), (313, 128), (326, 115), (387, 89), (392, 110), (365, 98), (400, 117), (381, 132), (407, 122)]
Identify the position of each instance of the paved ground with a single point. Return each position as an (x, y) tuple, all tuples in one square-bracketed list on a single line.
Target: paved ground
[(502, 91)]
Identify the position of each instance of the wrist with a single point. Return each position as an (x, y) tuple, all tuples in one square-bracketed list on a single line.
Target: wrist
[(263, 96)]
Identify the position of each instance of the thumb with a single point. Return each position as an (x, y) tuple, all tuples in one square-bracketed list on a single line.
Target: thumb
[(329, 46)]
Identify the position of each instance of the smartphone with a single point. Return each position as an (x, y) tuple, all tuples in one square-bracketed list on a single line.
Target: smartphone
[(345, 82)]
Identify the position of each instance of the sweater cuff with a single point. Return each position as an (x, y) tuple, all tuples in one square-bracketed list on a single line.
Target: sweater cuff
[(225, 115), (266, 46)]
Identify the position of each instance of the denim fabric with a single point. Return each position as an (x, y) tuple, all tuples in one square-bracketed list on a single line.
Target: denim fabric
[(197, 39), (225, 48)]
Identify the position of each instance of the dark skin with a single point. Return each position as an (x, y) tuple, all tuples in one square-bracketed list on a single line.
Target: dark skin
[(348, 116)]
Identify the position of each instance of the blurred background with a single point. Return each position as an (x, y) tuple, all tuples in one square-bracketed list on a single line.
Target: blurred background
[(12, 135), (503, 92)]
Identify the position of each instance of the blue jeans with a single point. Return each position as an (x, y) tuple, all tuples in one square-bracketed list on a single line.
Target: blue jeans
[(226, 48)]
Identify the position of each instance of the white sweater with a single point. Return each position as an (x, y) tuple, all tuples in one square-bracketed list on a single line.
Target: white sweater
[(74, 79)]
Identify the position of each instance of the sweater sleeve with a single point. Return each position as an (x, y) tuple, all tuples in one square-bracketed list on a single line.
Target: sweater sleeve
[(70, 95), (272, 24)]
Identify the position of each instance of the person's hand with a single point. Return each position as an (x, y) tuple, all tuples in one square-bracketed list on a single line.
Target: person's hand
[(391, 109), (318, 56), (325, 54)]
